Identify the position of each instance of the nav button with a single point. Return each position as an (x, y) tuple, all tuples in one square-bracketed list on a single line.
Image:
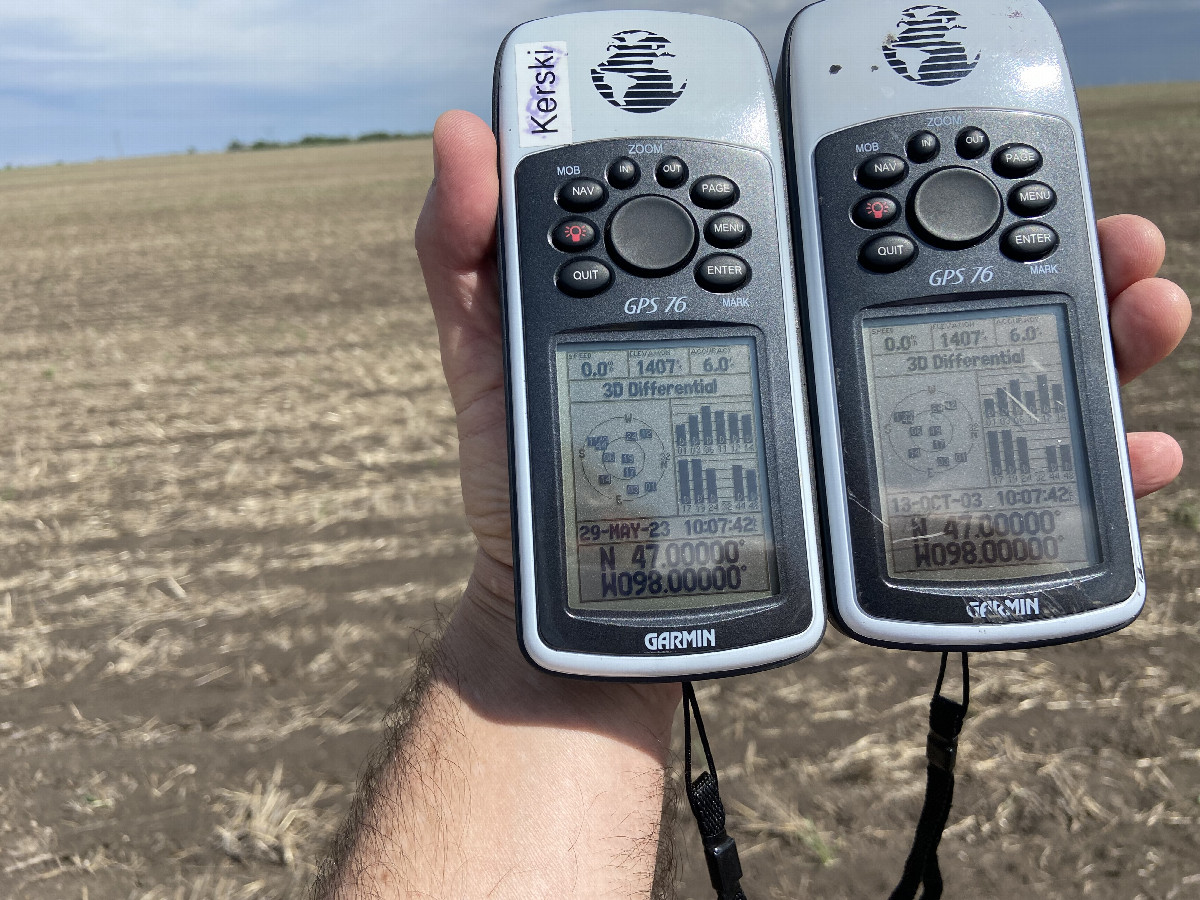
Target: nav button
[(583, 277), (722, 272), (887, 253), (582, 195), (882, 170)]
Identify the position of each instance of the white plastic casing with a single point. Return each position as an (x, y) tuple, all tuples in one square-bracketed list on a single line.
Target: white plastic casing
[(839, 78), (729, 99)]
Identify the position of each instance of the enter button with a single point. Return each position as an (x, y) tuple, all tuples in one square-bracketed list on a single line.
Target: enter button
[(1029, 243), (722, 272)]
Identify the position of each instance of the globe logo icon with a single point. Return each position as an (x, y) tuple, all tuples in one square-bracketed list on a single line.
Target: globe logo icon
[(637, 75), (928, 48)]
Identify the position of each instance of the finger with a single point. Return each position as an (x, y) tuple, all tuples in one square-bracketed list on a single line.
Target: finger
[(1155, 460), (1131, 248), (456, 244), (1148, 321), (456, 230)]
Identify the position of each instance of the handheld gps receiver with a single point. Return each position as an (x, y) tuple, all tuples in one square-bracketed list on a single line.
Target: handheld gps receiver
[(662, 494), (976, 483)]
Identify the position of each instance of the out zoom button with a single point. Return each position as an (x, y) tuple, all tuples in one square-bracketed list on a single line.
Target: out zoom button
[(583, 277), (887, 253), (582, 195), (722, 272), (881, 171)]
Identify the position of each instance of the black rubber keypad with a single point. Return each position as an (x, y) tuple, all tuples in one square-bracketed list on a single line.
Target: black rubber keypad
[(692, 218), (948, 204)]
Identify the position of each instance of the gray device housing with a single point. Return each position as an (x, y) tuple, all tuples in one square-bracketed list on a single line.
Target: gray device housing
[(850, 88), (723, 120)]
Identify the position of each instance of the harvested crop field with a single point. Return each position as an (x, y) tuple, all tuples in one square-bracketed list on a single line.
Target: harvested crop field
[(229, 510)]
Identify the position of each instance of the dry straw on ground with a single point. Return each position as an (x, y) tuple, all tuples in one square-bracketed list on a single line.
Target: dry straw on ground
[(228, 500)]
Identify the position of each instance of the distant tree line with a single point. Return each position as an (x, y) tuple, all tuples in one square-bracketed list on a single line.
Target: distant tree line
[(325, 140)]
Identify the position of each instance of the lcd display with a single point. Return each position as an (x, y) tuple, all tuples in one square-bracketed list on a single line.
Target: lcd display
[(978, 446), (664, 474)]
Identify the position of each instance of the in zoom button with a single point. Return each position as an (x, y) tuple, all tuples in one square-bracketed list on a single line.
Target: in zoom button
[(722, 272), (583, 277), (887, 253)]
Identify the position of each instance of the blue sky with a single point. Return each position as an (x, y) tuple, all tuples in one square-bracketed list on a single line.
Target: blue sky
[(82, 79)]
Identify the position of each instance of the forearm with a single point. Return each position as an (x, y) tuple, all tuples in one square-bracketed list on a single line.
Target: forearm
[(507, 781)]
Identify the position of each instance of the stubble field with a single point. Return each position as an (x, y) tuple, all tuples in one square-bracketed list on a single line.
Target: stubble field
[(229, 510)]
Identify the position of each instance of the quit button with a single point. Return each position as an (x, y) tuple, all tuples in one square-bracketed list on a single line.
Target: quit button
[(887, 253), (583, 277)]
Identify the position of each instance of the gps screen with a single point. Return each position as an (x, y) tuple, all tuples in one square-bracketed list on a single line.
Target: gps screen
[(664, 474), (978, 446)]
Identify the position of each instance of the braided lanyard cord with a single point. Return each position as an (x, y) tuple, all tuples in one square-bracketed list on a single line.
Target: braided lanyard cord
[(720, 851), (941, 750)]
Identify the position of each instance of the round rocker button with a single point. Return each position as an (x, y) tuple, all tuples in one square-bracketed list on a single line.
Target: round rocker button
[(880, 171), (727, 230), (583, 277), (573, 234), (887, 253), (671, 172), (651, 235), (1029, 242), (1016, 161), (875, 211), (714, 192), (972, 143), (581, 195), (623, 173), (923, 146), (722, 272), (955, 207), (1031, 198)]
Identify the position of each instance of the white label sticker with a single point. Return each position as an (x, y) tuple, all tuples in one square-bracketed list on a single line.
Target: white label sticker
[(543, 94)]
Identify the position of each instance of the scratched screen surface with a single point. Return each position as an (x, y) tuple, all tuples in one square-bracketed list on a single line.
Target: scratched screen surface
[(978, 446), (665, 491)]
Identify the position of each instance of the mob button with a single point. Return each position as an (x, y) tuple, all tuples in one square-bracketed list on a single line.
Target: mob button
[(887, 253), (722, 272), (581, 195), (583, 277), (882, 170)]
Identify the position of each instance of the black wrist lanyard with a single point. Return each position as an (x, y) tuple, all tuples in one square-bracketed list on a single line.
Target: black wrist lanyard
[(921, 870)]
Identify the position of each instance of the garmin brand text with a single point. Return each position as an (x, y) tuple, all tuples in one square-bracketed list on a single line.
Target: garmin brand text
[(681, 640)]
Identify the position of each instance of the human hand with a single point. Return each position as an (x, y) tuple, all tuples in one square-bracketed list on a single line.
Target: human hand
[(456, 243)]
